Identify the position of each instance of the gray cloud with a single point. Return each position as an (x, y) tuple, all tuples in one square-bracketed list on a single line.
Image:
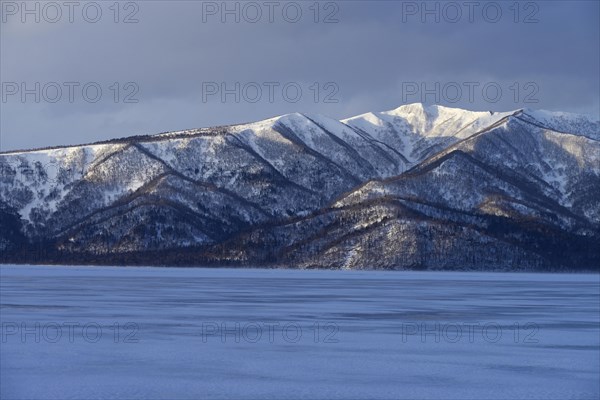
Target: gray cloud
[(370, 55)]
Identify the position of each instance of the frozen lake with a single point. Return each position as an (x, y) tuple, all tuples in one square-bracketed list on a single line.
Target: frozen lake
[(154, 333)]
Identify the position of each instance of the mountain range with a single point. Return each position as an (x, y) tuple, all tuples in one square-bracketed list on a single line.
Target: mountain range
[(417, 187)]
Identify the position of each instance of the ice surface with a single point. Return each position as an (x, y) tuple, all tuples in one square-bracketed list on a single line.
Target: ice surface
[(370, 343)]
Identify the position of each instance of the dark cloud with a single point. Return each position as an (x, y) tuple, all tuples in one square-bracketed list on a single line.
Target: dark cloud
[(375, 51)]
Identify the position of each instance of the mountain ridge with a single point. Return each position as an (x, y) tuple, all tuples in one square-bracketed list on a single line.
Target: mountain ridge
[(439, 178), (170, 134)]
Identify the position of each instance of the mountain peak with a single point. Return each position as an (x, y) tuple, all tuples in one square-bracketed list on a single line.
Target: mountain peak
[(433, 110), (261, 192)]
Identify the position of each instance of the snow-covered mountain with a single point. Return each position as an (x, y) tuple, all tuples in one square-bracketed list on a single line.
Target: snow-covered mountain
[(414, 187)]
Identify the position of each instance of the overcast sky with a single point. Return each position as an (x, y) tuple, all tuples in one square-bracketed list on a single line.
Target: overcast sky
[(162, 65)]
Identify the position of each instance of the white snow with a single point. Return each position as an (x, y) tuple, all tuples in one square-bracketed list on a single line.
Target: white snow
[(413, 130), (50, 161)]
